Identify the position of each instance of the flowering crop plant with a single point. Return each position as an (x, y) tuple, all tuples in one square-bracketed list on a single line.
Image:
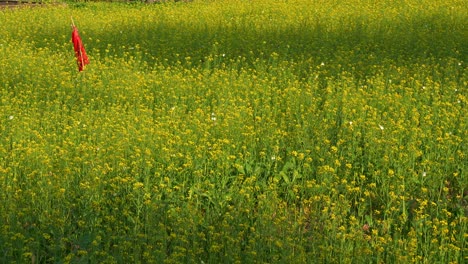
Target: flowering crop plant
[(235, 132)]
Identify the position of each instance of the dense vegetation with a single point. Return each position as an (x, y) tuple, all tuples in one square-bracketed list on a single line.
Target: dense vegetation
[(235, 132)]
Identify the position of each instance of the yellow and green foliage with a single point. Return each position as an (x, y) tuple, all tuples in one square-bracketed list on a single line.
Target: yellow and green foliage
[(235, 132)]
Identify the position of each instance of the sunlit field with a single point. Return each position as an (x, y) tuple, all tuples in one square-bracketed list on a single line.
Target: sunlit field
[(300, 131)]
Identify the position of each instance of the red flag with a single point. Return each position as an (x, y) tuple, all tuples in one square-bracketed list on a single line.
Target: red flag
[(81, 57)]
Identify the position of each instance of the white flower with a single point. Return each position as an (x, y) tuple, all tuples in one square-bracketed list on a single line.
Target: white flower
[(350, 123), (213, 117), (273, 157), (381, 127), (322, 64), (424, 174), (11, 117)]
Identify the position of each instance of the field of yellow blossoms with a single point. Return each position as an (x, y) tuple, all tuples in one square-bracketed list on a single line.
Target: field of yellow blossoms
[(299, 131)]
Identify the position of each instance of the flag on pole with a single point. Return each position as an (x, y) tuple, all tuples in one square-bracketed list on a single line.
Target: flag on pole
[(80, 52)]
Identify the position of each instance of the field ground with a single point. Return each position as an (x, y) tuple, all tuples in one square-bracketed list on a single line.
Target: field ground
[(235, 132)]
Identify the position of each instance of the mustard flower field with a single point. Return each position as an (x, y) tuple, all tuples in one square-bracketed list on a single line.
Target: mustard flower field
[(299, 131)]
